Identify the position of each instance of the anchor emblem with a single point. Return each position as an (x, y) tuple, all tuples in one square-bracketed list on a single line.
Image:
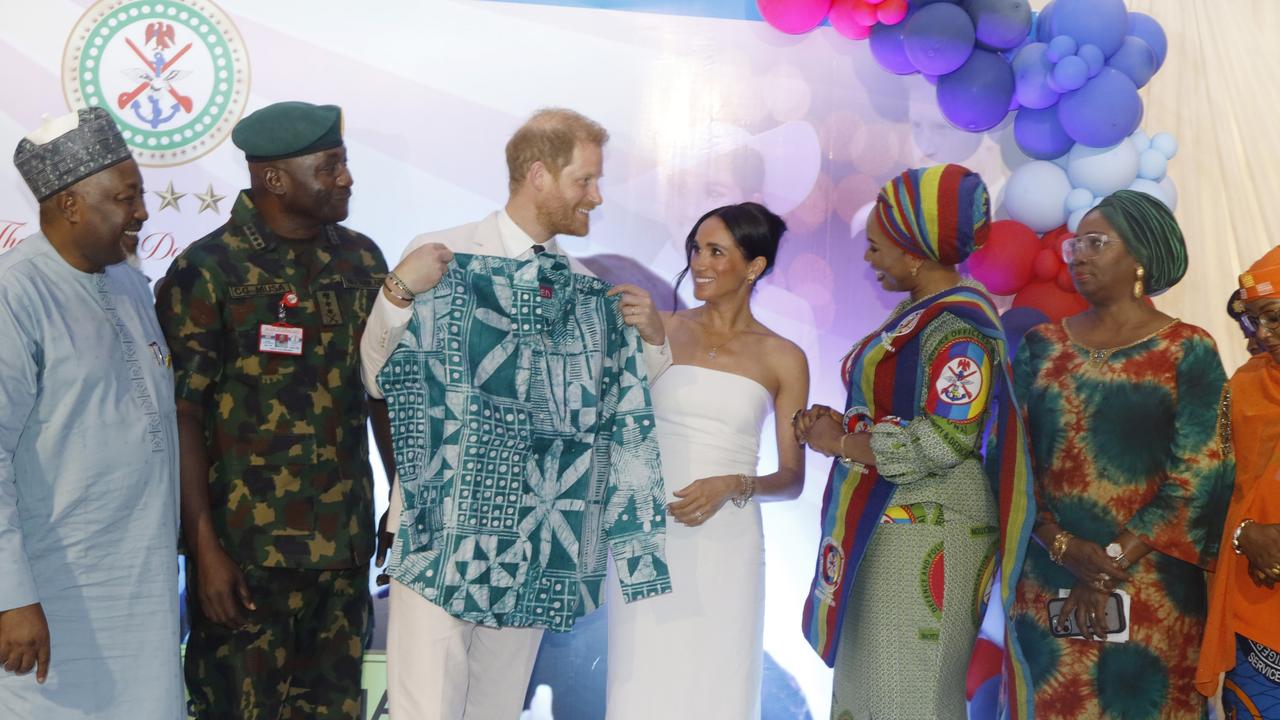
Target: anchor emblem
[(156, 78)]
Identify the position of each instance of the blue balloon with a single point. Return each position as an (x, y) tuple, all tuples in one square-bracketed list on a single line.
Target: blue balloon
[(1031, 72), (1152, 165), (976, 97), (938, 38), (1044, 24), (1145, 27), (1017, 321), (1079, 198), (1136, 59), (1096, 22), (1070, 73), (1040, 135), (888, 49), (999, 24), (1165, 144), (1103, 112), (1036, 195), (1060, 47), (1092, 57)]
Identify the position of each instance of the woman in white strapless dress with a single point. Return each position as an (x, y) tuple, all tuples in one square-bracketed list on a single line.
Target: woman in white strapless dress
[(696, 653)]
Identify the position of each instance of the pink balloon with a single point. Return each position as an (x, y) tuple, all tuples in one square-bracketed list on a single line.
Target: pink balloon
[(864, 13), (845, 18), (891, 12), (794, 16)]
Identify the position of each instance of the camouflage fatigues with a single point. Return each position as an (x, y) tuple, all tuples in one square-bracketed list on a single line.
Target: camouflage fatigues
[(319, 618), (290, 485)]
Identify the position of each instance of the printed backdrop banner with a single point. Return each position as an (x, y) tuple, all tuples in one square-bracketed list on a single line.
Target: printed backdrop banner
[(705, 106)]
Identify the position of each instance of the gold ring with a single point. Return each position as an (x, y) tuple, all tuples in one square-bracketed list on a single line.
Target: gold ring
[(795, 415), (1275, 570)]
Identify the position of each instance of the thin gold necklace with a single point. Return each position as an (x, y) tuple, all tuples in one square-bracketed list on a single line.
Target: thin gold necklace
[(715, 349)]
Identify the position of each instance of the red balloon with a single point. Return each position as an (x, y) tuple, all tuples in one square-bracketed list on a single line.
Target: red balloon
[(891, 12), (1053, 239), (1046, 265), (1050, 299), (1064, 279), (1004, 263), (794, 16)]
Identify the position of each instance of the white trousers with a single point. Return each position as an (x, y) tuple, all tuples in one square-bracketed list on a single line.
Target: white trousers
[(443, 668)]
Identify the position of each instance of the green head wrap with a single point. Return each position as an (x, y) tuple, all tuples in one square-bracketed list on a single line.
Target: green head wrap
[(1151, 234)]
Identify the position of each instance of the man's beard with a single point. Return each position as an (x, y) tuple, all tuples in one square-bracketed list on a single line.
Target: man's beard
[(559, 217)]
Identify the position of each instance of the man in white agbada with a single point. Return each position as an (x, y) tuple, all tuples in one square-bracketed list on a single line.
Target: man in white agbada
[(88, 446)]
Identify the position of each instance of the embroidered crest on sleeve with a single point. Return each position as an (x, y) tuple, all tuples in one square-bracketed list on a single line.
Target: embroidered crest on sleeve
[(959, 381)]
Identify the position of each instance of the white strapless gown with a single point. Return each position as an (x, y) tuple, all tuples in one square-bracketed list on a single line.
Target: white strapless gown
[(696, 653)]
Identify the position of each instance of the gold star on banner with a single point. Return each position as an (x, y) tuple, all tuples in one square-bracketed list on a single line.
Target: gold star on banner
[(209, 200), (169, 197)]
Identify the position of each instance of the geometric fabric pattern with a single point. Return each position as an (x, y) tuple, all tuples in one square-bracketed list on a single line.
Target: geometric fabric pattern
[(523, 432)]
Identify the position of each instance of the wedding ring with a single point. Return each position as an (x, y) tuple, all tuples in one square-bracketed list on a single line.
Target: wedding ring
[(1275, 570), (697, 515), (795, 415)]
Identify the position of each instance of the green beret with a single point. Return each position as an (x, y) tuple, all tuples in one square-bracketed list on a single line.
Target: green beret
[(288, 129)]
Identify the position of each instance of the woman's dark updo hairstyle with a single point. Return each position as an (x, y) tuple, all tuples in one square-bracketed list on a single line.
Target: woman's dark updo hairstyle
[(755, 228)]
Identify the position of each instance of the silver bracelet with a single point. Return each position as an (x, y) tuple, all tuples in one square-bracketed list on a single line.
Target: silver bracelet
[(748, 490), (404, 294)]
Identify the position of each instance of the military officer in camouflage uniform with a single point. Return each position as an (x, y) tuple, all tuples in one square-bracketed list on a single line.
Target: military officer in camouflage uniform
[(264, 317)]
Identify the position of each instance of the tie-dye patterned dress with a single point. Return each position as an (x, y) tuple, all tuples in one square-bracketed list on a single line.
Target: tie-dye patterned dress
[(1126, 438)]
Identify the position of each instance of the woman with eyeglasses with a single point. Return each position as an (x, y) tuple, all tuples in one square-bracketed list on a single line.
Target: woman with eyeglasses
[(1242, 635), (1131, 477), (1248, 325), (911, 529)]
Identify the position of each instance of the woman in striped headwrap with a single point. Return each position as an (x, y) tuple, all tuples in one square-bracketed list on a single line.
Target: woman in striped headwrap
[(911, 526), (1132, 479)]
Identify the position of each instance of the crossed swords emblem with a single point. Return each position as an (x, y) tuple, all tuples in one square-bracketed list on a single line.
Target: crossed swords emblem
[(156, 78)]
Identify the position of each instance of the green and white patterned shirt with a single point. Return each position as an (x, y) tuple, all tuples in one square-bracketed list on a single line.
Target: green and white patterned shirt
[(524, 442)]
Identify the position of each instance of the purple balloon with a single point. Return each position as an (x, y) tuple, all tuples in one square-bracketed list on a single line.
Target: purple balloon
[(1136, 59), (976, 97), (1044, 24), (1039, 134), (1031, 74), (1145, 27), (1070, 73), (1060, 47), (1092, 57), (888, 48), (1097, 22), (938, 38), (1103, 112), (999, 24)]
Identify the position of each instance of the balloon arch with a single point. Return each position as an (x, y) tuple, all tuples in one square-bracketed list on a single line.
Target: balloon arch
[(1070, 74)]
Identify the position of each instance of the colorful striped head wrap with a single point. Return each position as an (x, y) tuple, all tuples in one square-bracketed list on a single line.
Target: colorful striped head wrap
[(941, 213), (1151, 234), (1263, 278)]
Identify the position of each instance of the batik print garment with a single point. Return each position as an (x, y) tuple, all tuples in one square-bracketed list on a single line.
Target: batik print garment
[(1127, 440), (524, 441)]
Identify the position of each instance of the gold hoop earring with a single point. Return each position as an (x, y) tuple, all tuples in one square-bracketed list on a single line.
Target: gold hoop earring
[(1138, 284)]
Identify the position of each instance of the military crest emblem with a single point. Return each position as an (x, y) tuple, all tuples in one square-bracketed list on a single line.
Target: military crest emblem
[(174, 74)]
